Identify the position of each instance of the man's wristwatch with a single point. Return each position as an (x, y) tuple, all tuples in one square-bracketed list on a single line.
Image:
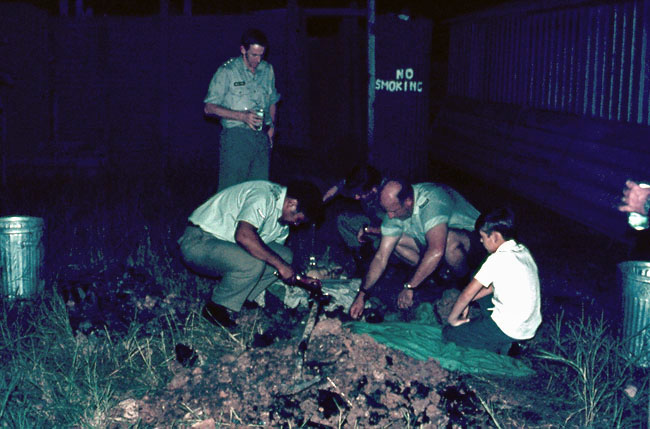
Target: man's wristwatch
[(408, 286)]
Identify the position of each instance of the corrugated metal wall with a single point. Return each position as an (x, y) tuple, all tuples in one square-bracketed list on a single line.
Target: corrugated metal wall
[(550, 100), (585, 58)]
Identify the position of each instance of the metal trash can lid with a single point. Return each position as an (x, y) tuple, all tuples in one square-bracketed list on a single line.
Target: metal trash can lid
[(635, 268), (20, 222)]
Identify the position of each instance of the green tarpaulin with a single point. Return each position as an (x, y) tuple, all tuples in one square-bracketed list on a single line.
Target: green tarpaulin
[(422, 339)]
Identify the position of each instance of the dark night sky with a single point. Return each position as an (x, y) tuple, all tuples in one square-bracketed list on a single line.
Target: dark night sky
[(437, 9)]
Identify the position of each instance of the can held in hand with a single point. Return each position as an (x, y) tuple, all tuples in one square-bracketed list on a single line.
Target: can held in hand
[(637, 220), (259, 112)]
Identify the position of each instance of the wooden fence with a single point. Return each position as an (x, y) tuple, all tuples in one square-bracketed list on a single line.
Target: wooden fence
[(551, 101)]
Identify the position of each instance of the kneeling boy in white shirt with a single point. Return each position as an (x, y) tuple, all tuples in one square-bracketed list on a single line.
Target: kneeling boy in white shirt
[(509, 275)]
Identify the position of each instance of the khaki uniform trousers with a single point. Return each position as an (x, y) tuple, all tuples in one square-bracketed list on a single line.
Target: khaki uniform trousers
[(243, 277)]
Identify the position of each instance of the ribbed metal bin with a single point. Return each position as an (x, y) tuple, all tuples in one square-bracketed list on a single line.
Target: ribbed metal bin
[(21, 256), (634, 277)]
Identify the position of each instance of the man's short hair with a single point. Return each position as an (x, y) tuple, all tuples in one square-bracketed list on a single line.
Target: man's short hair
[(404, 193), (253, 36), (501, 220), (362, 179), (308, 197)]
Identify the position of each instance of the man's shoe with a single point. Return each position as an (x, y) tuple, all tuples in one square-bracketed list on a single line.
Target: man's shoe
[(218, 315)]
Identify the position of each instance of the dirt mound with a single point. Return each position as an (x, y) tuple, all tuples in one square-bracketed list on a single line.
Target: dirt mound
[(346, 380)]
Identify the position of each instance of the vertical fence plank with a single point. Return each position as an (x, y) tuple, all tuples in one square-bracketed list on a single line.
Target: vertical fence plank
[(642, 62), (490, 54), (556, 59), (564, 98), (632, 74), (511, 76), (602, 66)]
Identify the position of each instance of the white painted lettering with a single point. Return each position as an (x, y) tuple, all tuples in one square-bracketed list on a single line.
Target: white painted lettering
[(399, 74), (409, 74), (398, 85)]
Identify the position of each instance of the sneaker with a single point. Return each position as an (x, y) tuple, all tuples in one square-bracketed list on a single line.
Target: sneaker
[(218, 315)]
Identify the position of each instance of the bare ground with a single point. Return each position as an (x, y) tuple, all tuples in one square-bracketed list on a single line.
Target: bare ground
[(350, 380)]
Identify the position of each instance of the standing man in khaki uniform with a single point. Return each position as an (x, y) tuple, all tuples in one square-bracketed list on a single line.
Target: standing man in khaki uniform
[(242, 94)]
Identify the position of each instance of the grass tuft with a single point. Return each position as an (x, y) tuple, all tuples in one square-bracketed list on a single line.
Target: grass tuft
[(585, 357)]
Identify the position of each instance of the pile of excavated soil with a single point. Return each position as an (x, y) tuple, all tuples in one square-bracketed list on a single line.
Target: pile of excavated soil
[(346, 380)]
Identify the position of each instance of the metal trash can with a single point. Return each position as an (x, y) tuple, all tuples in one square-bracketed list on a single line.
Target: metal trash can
[(634, 277), (21, 256)]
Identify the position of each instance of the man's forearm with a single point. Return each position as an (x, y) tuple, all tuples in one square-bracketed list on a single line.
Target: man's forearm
[(271, 258), (222, 112), (428, 264), (250, 241), (376, 269), (264, 253)]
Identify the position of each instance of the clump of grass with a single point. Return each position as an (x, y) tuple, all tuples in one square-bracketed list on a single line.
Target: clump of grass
[(593, 364), (52, 376), (55, 373)]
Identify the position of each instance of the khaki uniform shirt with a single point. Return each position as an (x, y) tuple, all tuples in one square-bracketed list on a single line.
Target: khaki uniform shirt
[(235, 87), (434, 204), (257, 202)]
